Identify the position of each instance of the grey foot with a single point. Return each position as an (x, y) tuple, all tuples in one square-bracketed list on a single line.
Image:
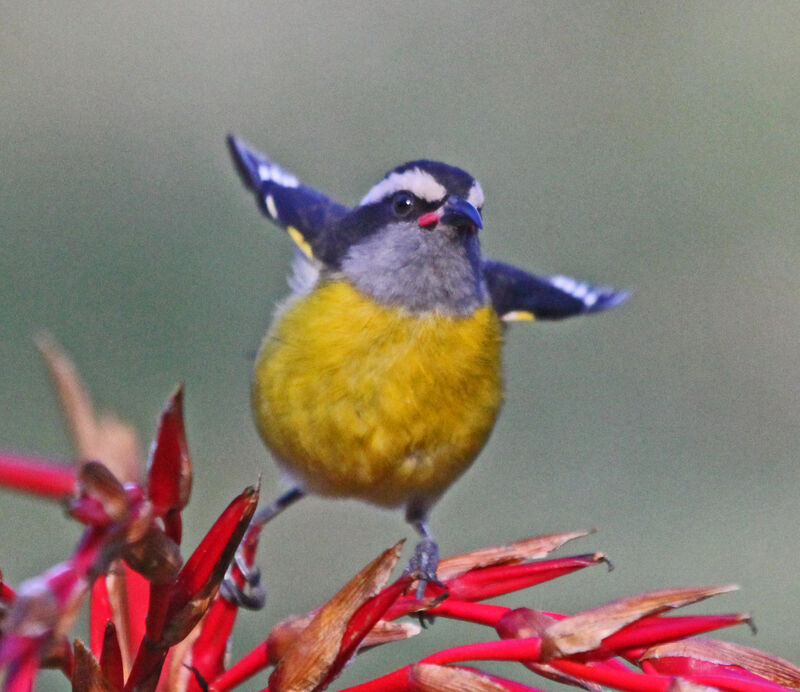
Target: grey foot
[(423, 565)]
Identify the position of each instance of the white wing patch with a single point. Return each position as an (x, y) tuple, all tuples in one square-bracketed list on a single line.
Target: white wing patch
[(475, 196), (416, 181), (269, 172), (584, 292), (269, 200)]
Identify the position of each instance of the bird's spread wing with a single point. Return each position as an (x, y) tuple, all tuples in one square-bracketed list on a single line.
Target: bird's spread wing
[(518, 295), (307, 215)]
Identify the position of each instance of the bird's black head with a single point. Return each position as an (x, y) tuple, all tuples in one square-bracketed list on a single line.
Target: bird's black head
[(413, 241), (418, 188)]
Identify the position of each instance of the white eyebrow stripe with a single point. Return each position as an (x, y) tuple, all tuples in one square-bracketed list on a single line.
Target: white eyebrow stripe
[(475, 196), (416, 181)]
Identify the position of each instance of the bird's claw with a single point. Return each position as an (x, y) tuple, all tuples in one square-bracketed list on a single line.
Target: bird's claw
[(253, 595), (423, 565)]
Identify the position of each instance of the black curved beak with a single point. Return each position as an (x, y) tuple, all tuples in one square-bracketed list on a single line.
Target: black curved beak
[(461, 214)]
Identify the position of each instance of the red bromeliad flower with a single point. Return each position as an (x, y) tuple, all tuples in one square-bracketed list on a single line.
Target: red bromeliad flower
[(159, 623)]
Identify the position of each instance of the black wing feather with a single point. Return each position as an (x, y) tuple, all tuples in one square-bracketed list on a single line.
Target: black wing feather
[(546, 298), (284, 199)]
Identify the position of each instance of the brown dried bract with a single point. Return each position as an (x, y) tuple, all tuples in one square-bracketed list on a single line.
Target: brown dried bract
[(506, 554), (585, 631), (308, 659), (96, 481), (86, 673), (155, 556), (766, 665), (284, 634), (426, 677), (102, 437)]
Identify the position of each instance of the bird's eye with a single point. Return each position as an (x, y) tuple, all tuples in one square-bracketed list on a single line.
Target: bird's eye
[(402, 204)]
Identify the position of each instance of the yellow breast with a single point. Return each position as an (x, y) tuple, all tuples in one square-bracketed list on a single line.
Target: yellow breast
[(358, 399)]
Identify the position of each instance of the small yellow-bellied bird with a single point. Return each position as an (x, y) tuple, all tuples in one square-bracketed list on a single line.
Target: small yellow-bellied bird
[(380, 377)]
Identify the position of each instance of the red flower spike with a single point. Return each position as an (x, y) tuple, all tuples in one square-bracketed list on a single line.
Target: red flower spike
[(284, 634), (488, 582), (362, 623), (176, 608), (315, 657), (736, 682), (198, 581), (169, 475), (586, 631), (111, 658), (100, 614), (504, 650), (655, 630), (208, 651), (22, 669), (37, 476), (258, 659), (479, 613), (701, 655), (507, 554), (618, 678), (368, 615)]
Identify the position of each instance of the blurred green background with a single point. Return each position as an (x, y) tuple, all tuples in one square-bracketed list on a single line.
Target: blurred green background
[(646, 145)]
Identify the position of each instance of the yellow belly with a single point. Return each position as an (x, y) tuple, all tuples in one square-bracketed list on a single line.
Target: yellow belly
[(357, 399)]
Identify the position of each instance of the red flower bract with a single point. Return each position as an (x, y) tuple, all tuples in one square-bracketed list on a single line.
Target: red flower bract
[(159, 623)]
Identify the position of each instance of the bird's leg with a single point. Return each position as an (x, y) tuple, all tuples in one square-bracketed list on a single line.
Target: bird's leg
[(252, 595), (272, 510), (426, 554)]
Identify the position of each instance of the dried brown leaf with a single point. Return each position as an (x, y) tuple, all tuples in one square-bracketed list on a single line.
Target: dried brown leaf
[(426, 677), (99, 483), (102, 437), (155, 556), (86, 673), (285, 633), (758, 662), (506, 554), (308, 659), (385, 632), (585, 631)]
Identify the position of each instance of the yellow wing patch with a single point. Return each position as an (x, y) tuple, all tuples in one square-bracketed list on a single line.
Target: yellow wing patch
[(518, 316), (300, 241)]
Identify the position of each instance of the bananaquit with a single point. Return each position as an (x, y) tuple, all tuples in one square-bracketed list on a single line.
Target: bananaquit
[(380, 377)]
